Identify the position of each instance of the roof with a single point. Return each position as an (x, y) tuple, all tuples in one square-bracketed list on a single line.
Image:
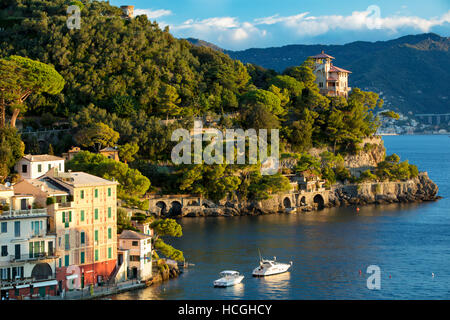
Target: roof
[(80, 179), (337, 69), (109, 149), (41, 158), (48, 186), (322, 55), (130, 234)]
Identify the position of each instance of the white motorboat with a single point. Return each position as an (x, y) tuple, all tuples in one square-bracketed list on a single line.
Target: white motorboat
[(228, 278), (270, 267)]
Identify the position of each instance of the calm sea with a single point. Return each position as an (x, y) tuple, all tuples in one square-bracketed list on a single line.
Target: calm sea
[(328, 248)]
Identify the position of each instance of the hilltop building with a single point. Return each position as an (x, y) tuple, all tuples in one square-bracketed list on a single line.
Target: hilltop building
[(331, 80), (34, 166), (28, 258), (128, 11), (111, 153)]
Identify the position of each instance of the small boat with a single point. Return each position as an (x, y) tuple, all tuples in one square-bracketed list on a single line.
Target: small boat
[(228, 278), (270, 267)]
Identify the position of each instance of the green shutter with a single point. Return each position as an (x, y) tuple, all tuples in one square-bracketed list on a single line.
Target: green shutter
[(109, 253), (109, 233), (96, 214), (109, 212), (96, 255), (82, 238), (96, 235), (63, 217), (82, 257), (96, 193), (109, 192), (66, 260), (82, 194), (82, 215), (70, 216), (30, 249)]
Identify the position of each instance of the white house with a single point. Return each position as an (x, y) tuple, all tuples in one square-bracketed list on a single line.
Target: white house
[(27, 252), (139, 247), (34, 166)]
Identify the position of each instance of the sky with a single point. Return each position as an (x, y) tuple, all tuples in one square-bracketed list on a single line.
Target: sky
[(243, 24)]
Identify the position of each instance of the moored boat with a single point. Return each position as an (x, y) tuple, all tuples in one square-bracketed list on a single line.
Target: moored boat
[(228, 278)]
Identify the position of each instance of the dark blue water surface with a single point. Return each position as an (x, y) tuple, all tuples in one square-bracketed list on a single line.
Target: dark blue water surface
[(328, 248)]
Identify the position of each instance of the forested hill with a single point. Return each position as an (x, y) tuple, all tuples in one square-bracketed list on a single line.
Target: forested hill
[(118, 64), (411, 72)]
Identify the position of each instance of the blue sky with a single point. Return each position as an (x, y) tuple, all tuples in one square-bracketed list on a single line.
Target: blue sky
[(242, 24)]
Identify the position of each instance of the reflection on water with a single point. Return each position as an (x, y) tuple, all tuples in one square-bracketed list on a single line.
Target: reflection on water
[(328, 248)]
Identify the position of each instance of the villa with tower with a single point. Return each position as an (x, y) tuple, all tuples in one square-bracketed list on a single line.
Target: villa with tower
[(331, 80)]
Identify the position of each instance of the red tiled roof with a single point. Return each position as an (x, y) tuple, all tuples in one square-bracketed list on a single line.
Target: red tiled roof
[(322, 56), (337, 69)]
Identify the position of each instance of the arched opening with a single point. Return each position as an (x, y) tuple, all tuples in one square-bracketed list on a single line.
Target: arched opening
[(318, 199), (162, 206), (287, 203), (303, 201), (175, 209), (41, 271)]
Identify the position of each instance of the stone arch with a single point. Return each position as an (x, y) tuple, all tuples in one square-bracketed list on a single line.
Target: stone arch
[(41, 271), (303, 201), (318, 199), (287, 202), (175, 208), (162, 206)]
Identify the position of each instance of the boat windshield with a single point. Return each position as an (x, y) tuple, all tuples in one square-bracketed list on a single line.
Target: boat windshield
[(229, 273)]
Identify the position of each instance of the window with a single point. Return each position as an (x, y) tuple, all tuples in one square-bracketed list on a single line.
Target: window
[(109, 212), (67, 241), (96, 254), (24, 168), (135, 243), (82, 237), (4, 227), (66, 260), (96, 193), (59, 262), (82, 257), (39, 167), (109, 192), (4, 251), (96, 214), (109, 253), (59, 166), (109, 233), (17, 228), (82, 215), (96, 235), (134, 258), (63, 215), (82, 194), (49, 167)]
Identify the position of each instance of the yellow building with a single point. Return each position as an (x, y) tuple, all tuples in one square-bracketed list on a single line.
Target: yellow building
[(82, 212), (331, 80)]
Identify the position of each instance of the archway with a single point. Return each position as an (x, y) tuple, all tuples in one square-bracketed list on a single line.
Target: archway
[(162, 206), (175, 209), (318, 199), (303, 201), (287, 203), (41, 271)]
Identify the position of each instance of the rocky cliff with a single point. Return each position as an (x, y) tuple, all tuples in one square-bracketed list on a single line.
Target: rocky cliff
[(421, 188)]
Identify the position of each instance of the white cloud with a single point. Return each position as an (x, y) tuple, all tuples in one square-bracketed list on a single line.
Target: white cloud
[(152, 14)]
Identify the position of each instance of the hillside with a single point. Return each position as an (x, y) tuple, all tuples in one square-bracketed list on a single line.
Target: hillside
[(410, 72)]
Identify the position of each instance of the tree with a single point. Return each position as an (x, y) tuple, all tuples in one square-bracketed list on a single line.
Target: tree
[(97, 135), (127, 152), (262, 97), (259, 117), (11, 150), (32, 77), (293, 86), (167, 228), (168, 99)]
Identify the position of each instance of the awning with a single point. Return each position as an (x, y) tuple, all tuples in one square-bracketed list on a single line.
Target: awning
[(72, 276), (45, 283), (22, 286)]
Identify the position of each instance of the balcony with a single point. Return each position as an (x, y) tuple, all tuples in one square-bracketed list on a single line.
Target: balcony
[(32, 257), (24, 281), (14, 214)]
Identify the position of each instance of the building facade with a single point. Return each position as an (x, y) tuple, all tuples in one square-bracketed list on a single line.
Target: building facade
[(331, 80), (139, 248), (34, 166), (28, 257)]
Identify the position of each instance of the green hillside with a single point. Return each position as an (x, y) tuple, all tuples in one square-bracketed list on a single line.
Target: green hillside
[(411, 72)]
